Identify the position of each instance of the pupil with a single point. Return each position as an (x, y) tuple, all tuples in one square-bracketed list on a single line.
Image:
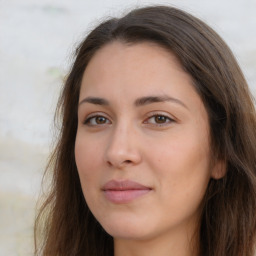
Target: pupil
[(100, 120), (160, 119)]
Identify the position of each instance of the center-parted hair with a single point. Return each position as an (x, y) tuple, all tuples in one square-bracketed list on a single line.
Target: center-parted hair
[(66, 227)]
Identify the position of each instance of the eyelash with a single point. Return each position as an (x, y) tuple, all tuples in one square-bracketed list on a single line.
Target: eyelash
[(154, 115), (87, 120)]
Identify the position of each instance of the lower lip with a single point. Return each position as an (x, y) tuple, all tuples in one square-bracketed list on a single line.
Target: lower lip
[(124, 196)]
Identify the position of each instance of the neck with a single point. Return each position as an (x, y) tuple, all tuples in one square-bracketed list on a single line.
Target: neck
[(177, 244)]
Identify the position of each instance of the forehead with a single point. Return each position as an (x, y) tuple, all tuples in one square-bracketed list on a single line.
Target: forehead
[(122, 66), (135, 52)]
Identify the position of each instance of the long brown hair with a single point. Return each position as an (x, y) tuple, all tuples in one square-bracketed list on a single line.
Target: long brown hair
[(65, 225)]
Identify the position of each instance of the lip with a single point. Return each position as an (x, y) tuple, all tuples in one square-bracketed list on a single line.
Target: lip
[(121, 192)]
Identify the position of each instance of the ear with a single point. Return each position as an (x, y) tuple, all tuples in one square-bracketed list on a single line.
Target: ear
[(219, 170)]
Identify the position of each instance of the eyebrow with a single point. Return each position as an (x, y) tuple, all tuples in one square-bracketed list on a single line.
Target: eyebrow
[(138, 102), (154, 99), (94, 100)]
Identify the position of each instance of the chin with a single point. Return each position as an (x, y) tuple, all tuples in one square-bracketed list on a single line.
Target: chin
[(131, 234), (126, 229)]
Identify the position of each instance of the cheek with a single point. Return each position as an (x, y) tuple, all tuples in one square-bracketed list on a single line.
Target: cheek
[(87, 161), (181, 166)]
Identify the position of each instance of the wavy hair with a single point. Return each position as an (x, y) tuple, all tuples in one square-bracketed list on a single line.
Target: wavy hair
[(65, 226)]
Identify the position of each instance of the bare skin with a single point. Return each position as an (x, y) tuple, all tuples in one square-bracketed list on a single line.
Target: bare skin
[(141, 121)]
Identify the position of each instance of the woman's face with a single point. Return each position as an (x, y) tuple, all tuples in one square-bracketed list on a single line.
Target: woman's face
[(142, 147)]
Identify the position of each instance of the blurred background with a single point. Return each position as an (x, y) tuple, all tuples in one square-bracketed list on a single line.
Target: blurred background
[(37, 39)]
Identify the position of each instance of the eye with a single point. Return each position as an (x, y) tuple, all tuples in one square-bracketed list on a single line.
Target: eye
[(96, 120), (159, 120)]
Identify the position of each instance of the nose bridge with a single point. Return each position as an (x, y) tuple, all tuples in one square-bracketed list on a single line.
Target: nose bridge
[(122, 147), (121, 130)]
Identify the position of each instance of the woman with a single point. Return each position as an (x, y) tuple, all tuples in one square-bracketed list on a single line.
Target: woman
[(156, 154)]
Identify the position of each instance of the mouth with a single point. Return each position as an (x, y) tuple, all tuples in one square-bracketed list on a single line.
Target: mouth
[(121, 192)]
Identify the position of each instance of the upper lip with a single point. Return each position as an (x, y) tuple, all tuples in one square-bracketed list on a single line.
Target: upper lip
[(124, 185)]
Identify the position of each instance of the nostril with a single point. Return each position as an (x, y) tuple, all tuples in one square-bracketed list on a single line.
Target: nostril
[(109, 163), (119, 164)]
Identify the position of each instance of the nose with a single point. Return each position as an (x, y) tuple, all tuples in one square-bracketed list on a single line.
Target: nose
[(123, 150)]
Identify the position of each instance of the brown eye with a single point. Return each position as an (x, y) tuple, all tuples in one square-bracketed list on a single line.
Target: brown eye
[(100, 120), (161, 119), (96, 120)]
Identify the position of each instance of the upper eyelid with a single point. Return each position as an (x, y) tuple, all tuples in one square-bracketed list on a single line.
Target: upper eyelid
[(160, 113), (95, 114)]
